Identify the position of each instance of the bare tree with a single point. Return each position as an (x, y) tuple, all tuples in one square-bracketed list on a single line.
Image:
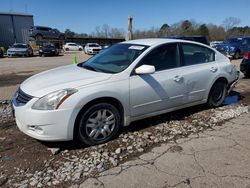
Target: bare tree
[(216, 32), (231, 22), (105, 30)]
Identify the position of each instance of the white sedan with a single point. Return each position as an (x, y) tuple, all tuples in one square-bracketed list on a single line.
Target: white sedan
[(72, 47), (92, 48), (129, 81)]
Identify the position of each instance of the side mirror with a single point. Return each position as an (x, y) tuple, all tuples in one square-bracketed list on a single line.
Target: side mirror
[(145, 69)]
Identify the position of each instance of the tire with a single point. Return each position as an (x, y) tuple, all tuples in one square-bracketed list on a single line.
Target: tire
[(80, 49), (67, 49), (247, 75), (217, 94), (237, 55), (31, 54), (93, 128)]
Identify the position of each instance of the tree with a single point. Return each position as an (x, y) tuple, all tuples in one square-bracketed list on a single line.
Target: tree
[(164, 30), (69, 33), (106, 30), (203, 30), (216, 33), (187, 28), (231, 22), (117, 33)]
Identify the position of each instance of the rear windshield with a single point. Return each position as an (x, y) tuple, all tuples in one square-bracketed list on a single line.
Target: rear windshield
[(93, 45), (19, 46)]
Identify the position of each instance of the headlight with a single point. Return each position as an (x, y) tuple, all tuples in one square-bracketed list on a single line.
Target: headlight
[(52, 50), (52, 101), (40, 51)]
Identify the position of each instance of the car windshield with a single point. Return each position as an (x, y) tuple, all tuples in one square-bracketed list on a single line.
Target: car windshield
[(19, 46), (114, 59), (93, 45), (232, 40)]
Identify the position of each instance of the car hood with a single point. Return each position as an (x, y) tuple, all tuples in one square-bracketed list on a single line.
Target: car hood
[(18, 49), (47, 49), (70, 76)]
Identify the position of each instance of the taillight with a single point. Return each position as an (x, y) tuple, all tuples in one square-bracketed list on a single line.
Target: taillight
[(246, 55)]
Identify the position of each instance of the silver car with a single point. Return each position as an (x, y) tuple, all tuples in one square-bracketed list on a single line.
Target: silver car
[(129, 81), (20, 49)]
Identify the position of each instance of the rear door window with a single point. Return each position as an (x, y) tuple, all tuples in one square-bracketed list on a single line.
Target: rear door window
[(196, 54)]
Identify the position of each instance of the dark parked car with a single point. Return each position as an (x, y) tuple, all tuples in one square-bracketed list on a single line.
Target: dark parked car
[(245, 64), (199, 39), (41, 32), (49, 50), (19, 49), (234, 47), (1, 52)]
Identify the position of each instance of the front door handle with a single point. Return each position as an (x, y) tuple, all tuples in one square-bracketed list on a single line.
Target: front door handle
[(213, 69), (177, 78)]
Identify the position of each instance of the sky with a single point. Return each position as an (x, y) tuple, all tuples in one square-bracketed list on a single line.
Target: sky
[(82, 16)]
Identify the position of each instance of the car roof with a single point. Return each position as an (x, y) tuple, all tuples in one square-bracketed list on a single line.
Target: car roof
[(157, 41)]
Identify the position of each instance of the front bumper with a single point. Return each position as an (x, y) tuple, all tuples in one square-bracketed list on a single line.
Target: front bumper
[(46, 125), (93, 52), (17, 53)]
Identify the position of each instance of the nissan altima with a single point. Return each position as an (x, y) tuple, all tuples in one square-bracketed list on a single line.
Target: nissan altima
[(129, 81)]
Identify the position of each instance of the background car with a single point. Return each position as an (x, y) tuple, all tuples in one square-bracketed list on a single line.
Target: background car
[(49, 50), (1, 52), (214, 43), (129, 81), (245, 64), (70, 46), (234, 47), (92, 48), (41, 32), (20, 49)]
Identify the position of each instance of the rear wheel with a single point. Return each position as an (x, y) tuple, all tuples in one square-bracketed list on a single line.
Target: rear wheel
[(99, 124), (217, 94)]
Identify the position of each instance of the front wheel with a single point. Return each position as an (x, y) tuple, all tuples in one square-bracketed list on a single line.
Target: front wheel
[(99, 124), (217, 94)]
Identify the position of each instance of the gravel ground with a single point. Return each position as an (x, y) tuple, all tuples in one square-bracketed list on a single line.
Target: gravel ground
[(66, 166)]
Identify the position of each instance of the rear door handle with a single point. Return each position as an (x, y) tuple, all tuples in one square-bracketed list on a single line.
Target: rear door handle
[(213, 69), (177, 78)]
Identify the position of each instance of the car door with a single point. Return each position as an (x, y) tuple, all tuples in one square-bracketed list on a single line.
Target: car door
[(161, 90), (199, 71)]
